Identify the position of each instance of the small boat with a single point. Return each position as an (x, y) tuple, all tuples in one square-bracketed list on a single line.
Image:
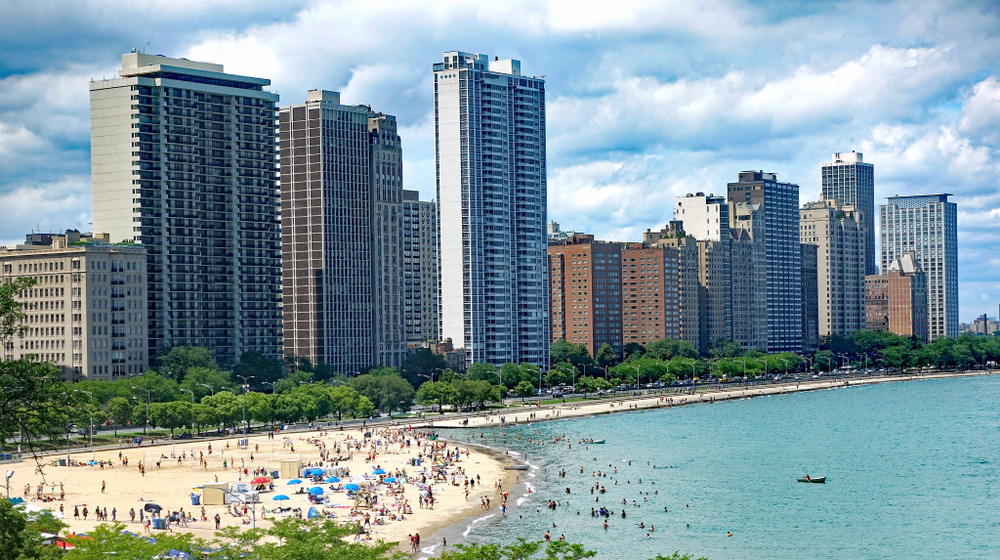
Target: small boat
[(516, 467), (598, 442), (820, 480)]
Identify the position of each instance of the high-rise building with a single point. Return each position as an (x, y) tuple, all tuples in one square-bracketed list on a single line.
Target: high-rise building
[(706, 218), (688, 283), (748, 275), (851, 181), (86, 313), (779, 207), (927, 226), (897, 300), (489, 130), (650, 289), (586, 293), (183, 160), (342, 233), (420, 279), (836, 232), (810, 297)]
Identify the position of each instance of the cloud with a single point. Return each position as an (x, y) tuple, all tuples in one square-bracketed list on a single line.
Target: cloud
[(66, 205)]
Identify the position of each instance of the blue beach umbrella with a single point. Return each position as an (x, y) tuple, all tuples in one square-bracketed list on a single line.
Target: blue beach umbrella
[(390, 479), (378, 471), (351, 486), (315, 490), (280, 498), (332, 479), (293, 481), (312, 472), (177, 554)]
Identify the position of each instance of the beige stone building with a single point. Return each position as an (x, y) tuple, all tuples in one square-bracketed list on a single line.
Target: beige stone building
[(840, 264), (86, 313)]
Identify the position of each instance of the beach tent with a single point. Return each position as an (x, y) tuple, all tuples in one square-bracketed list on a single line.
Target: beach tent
[(280, 498), (312, 513), (151, 507)]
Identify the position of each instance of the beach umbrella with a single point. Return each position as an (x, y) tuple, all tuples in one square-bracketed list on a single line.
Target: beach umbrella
[(151, 507), (390, 479), (280, 498), (351, 486), (177, 554), (378, 471), (332, 479), (315, 490), (294, 481), (312, 472), (260, 480), (64, 545)]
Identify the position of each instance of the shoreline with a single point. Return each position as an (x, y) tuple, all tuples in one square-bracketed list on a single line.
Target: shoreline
[(609, 405)]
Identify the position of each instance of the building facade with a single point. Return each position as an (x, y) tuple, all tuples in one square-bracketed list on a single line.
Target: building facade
[(419, 269), (748, 275), (779, 215), (87, 312), (898, 299), (688, 280), (706, 218), (489, 130), (586, 292), (850, 181), (927, 226), (183, 160), (342, 233), (836, 232), (650, 290), (810, 297)]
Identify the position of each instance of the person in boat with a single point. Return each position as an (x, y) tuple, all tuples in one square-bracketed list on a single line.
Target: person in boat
[(807, 477)]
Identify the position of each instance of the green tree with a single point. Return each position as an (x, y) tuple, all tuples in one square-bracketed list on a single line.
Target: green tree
[(161, 389), (667, 348), (176, 362), (197, 377), (317, 539), (524, 389), (519, 550), (13, 323), (119, 412), (260, 407), (606, 356), (387, 391), (293, 381), (20, 534), (437, 393), (228, 407), (171, 415), (287, 408), (423, 364), (262, 368), (561, 373), (725, 348), (562, 351)]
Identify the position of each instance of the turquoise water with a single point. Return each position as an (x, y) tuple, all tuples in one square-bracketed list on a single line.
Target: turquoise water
[(912, 472)]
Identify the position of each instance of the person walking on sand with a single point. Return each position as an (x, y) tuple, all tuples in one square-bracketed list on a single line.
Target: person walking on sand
[(217, 521), (103, 485)]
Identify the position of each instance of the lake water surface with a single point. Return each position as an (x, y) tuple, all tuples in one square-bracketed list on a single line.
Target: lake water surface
[(913, 471)]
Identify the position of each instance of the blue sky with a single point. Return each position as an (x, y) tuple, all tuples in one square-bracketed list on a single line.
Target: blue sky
[(646, 100)]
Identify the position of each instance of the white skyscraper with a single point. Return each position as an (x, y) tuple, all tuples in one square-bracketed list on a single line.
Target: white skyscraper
[(489, 128), (928, 226)]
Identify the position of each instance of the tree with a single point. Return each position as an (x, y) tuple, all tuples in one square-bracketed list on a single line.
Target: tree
[(560, 374), (576, 354), (316, 539), (606, 356), (387, 391), (171, 415), (287, 408), (12, 316), (520, 550), (227, 406), (119, 411), (198, 376), (262, 368), (176, 362), (667, 348), (260, 407), (293, 381), (422, 365), (161, 389), (20, 534), (437, 392), (524, 389), (725, 348)]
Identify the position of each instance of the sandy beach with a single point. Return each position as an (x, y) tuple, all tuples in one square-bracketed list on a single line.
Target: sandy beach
[(172, 471)]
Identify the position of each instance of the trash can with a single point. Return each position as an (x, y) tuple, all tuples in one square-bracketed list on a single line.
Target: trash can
[(195, 499), (159, 523), (274, 474), (62, 462)]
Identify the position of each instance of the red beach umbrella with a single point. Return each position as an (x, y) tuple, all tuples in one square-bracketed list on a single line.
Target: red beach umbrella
[(260, 480)]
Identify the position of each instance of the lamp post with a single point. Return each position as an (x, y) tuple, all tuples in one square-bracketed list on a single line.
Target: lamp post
[(268, 383), (809, 361), (210, 388), (784, 361), (146, 427), (192, 394), (9, 475), (91, 395), (245, 386)]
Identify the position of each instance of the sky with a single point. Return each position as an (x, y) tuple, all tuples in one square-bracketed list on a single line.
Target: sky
[(645, 100)]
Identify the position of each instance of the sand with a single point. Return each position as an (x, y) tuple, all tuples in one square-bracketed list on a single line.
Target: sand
[(170, 484)]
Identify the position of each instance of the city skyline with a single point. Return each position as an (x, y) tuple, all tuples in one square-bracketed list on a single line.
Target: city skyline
[(917, 99)]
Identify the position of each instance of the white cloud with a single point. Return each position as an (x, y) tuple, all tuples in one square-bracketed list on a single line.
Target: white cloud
[(66, 205), (981, 110)]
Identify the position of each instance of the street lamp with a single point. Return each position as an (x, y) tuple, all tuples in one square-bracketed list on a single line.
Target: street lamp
[(786, 365), (245, 387), (210, 388), (9, 475), (91, 395), (144, 428), (192, 394)]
